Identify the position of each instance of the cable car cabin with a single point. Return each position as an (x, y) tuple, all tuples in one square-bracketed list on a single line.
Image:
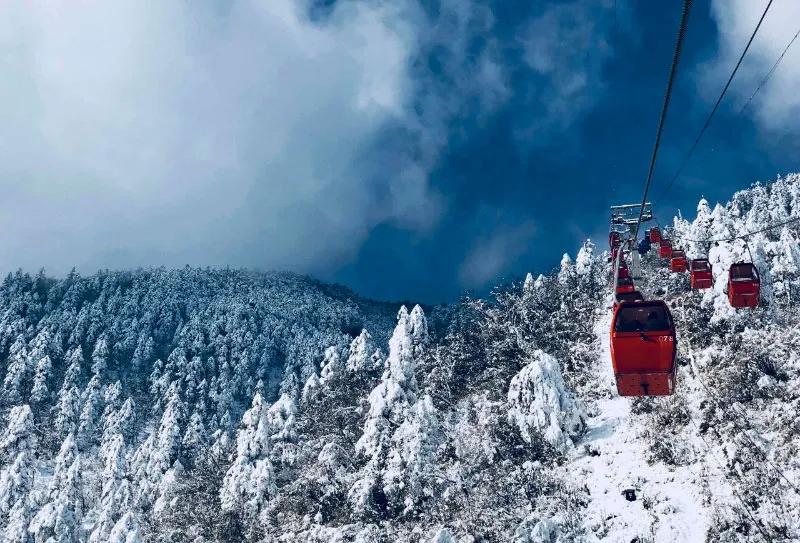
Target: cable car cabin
[(624, 271), (643, 348), (634, 296), (678, 261), (665, 249), (700, 274), (614, 240), (655, 235), (614, 252), (744, 285), (624, 285)]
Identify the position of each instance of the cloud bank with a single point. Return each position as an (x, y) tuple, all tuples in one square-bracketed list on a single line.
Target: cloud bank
[(777, 106), (141, 133), (268, 134)]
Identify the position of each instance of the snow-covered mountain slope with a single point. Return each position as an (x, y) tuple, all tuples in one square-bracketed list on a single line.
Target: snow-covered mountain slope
[(615, 458), (198, 405)]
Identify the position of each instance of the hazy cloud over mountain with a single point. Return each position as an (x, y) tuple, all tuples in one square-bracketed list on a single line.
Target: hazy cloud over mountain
[(142, 133), (360, 141), (777, 105)]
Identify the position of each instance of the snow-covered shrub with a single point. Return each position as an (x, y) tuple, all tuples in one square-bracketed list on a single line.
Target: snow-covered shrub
[(538, 401)]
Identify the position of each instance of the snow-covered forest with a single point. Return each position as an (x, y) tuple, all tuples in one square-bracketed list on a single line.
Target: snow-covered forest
[(217, 405)]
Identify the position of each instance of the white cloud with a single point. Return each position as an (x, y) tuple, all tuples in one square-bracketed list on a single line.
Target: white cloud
[(139, 133), (244, 133), (777, 105), (491, 255)]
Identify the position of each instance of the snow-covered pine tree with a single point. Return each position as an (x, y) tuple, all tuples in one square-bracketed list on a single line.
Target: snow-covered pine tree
[(126, 530), (59, 518), (16, 528), (68, 410), (17, 372), (250, 480), (120, 421), (539, 403), (363, 355), (195, 439), (40, 393), (17, 458), (410, 478), (331, 365), (100, 356), (90, 415), (115, 496), (567, 275), (389, 404), (157, 454)]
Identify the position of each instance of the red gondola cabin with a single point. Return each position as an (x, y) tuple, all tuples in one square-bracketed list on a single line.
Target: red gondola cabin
[(665, 249), (655, 235), (614, 240), (678, 261), (744, 285), (634, 296), (624, 272), (643, 349), (700, 275), (625, 285)]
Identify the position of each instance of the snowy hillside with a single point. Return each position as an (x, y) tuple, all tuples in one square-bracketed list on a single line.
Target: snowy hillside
[(198, 405)]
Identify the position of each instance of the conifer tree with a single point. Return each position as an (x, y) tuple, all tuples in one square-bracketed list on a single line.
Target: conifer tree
[(17, 372), (17, 455), (250, 480), (40, 393), (100, 356), (90, 413), (60, 517), (389, 404)]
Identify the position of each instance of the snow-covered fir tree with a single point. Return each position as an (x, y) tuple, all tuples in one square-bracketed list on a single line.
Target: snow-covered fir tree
[(17, 458), (250, 481), (59, 518)]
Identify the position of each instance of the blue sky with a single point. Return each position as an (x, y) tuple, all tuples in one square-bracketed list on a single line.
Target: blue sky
[(408, 149)]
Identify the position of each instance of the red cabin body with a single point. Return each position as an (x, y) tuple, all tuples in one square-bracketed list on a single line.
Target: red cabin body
[(624, 272), (678, 261), (700, 274), (665, 249), (744, 285), (614, 240), (634, 296), (655, 235), (643, 348), (625, 285)]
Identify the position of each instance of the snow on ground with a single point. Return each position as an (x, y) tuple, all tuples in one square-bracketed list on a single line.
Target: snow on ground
[(612, 456)]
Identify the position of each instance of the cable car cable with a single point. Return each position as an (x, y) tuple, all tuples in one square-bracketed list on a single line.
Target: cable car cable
[(763, 81), (676, 57), (716, 106), (749, 252), (769, 73), (747, 234)]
